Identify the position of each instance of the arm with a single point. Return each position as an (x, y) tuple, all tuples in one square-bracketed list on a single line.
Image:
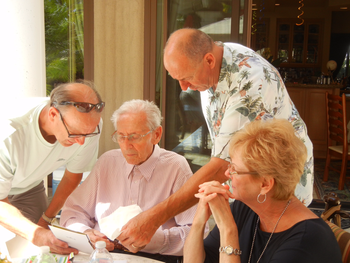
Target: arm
[(140, 229), (69, 182), (212, 201), (223, 217), (12, 219), (194, 247)]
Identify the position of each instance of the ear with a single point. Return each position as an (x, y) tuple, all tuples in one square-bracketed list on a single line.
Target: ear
[(209, 59), (53, 113), (267, 184), (157, 135)]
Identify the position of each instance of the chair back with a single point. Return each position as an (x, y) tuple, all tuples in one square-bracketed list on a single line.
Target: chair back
[(336, 121)]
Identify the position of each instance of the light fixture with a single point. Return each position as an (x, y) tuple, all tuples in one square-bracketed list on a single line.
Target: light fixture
[(344, 8), (277, 4), (331, 66), (302, 12)]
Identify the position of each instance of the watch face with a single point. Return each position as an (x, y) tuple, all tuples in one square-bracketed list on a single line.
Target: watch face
[(229, 250)]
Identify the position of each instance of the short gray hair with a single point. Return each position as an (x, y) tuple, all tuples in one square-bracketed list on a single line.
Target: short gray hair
[(154, 117)]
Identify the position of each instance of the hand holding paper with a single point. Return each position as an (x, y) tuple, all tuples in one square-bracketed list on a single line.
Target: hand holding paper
[(111, 225)]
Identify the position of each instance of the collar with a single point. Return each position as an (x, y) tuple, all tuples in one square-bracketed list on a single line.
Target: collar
[(227, 55), (147, 167)]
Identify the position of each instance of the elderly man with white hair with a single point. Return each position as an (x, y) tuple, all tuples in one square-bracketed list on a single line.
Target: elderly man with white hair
[(141, 173)]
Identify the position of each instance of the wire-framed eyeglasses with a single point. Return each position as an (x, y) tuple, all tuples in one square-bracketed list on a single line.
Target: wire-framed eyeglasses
[(78, 135), (85, 107), (132, 138), (232, 171)]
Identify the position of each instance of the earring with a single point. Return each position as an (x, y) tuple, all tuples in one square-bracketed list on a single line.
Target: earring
[(258, 199)]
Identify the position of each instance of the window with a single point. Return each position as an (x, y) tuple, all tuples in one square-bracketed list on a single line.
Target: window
[(64, 41), (185, 128)]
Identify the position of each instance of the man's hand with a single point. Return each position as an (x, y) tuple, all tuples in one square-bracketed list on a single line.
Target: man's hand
[(137, 233), (43, 223), (44, 237), (95, 236)]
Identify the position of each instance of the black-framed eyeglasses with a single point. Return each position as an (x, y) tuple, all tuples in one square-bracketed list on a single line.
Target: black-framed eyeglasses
[(132, 138), (85, 107), (232, 171), (78, 135)]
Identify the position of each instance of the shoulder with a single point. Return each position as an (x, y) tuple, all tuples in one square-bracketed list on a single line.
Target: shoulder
[(171, 157), (112, 154)]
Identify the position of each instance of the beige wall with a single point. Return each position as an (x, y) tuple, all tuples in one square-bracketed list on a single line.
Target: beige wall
[(118, 57)]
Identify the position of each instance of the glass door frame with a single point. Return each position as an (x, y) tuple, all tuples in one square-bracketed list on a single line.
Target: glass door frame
[(150, 45)]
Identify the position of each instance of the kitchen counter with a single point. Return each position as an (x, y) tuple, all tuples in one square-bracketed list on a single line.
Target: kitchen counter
[(314, 86)]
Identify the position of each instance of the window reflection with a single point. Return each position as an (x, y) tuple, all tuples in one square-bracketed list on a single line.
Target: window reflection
[(186, 131)]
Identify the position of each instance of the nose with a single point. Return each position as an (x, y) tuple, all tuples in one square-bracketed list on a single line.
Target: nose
[(126, 142), (227, 173), (184, 85), (80, 140)]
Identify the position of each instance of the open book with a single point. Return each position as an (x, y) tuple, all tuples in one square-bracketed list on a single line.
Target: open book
[(74, 239)]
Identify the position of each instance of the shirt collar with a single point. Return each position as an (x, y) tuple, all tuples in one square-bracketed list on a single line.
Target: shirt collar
[(225, 57), (147, 167)]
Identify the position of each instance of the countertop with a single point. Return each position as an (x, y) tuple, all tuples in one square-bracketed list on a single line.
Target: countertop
[(314, 86)]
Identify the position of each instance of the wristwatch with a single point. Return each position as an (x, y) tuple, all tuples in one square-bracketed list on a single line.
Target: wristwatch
[(230, 250), (47, 219)]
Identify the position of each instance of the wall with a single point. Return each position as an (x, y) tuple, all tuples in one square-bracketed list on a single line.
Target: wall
[(22, 49), (118, 57)]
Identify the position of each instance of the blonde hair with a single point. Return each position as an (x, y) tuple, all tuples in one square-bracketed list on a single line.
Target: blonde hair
[(271, 148)]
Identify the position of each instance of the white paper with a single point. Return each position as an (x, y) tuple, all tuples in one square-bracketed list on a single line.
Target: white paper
[(111, 225), (74, 239)]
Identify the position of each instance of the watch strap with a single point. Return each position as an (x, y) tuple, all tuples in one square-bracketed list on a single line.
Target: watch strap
[(47, 219), (230, 250)]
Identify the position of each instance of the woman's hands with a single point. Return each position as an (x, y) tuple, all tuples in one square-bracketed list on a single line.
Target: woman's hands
[(214, 200)]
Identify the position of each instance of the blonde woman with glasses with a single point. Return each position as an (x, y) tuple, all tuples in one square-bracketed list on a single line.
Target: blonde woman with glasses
[(266, 222)]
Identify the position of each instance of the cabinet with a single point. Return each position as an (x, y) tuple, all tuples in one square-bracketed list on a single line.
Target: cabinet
[(299, 45), (310, 101), (260, 34)]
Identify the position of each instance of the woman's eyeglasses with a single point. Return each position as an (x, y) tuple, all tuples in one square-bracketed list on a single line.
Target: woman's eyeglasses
[(232, 171), (85, 106), (132, 138)]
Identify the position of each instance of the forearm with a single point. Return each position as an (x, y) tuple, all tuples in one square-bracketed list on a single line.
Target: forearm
[(194, 247), (67, 185), (184, 197), (229, 237), (12, 219)]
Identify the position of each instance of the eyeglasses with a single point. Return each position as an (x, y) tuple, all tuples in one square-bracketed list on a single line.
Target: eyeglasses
[(78, 135), (232, 171), (132, 138), (85, 106)]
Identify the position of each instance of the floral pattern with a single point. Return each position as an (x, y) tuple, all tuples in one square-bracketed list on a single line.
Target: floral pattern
[(249, 89)]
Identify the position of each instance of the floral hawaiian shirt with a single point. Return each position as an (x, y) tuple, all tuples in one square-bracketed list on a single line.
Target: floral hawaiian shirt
[(249, 89)]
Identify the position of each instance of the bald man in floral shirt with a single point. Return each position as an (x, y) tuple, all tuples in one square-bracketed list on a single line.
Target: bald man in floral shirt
[(237, 86)]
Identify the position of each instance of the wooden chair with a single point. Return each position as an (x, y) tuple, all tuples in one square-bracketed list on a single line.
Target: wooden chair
[(337, 136)]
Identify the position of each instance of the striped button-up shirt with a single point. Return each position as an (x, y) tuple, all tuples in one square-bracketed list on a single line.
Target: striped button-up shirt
[(113, 183)]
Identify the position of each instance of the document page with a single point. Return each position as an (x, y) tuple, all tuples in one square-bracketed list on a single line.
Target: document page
[(74, 239)]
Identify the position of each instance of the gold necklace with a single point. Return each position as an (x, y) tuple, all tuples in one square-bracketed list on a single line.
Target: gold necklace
[(257, 223)]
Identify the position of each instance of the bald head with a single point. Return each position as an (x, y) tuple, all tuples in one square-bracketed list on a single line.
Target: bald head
[(190, 43), (82, 91)]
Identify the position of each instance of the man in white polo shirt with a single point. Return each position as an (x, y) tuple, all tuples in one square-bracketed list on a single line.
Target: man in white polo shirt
[(62, 130)]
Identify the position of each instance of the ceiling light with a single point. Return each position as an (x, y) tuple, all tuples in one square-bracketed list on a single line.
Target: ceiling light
[(344, 7)]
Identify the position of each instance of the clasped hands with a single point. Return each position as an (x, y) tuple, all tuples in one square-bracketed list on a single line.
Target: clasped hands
[(213, 200)]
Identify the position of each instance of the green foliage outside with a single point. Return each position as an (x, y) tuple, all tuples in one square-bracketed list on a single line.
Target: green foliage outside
[(64, 45)]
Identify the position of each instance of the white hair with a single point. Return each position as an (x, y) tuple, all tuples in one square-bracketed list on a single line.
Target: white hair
[(154, 117)]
